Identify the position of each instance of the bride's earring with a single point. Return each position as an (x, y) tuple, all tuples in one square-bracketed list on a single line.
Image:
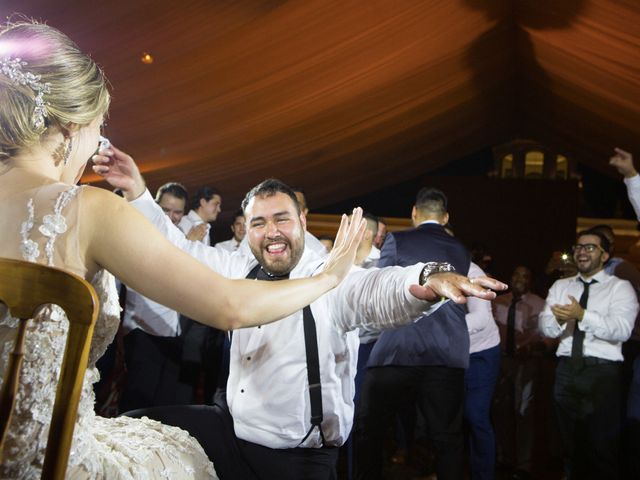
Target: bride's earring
[(67, 152)]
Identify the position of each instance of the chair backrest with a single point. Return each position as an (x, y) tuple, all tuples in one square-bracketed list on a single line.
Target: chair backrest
[(24, 287)]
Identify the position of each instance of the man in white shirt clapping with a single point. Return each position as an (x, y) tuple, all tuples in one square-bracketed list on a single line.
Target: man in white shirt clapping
[(591, 313)]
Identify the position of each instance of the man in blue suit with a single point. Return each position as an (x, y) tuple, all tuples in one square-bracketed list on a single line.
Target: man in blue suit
[(424, 361)]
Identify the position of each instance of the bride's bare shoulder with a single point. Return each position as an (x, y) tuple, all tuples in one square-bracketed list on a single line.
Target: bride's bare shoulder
[(102, 208), (101, 198)]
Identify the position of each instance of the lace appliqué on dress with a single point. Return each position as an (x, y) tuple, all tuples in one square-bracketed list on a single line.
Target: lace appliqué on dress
[(52, 226), (119, 448), (29, 248), (29, 426), (55, 224)]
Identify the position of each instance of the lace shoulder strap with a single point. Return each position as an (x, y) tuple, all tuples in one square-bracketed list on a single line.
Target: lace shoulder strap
[(53, 224)]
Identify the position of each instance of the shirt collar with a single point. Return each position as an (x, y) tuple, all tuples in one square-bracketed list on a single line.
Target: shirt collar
[(601, 276), (309, 263), (194, 217), (374, 254)]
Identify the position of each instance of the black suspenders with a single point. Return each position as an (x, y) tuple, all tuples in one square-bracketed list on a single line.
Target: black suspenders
[(313, 365)]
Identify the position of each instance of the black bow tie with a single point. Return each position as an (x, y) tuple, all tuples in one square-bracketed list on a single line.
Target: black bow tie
[(263, 275)]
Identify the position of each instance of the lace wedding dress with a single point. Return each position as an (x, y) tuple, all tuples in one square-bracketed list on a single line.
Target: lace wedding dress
[(44, 225)]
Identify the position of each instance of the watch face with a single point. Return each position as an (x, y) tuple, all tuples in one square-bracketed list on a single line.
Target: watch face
[(434, 267)]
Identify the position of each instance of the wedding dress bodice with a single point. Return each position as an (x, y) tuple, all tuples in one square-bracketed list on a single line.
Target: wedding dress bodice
[(102, 448)]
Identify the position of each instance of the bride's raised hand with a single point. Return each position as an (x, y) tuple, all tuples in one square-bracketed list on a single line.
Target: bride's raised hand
[(343, 254), (120, 171)]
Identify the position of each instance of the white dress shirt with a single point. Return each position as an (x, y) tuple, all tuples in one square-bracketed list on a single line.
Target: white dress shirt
[(372, 259), (267, 390), (608, 319), (189, 221), (483, 331), (151, 317), (229, 245), (633, 191), (367, 336)]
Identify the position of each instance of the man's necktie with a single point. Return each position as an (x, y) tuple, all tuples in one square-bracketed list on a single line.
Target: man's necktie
[(511, 327), (578, 335)]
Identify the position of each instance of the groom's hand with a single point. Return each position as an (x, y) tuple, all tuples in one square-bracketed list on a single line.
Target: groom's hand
[(456, 287), (120, 171)]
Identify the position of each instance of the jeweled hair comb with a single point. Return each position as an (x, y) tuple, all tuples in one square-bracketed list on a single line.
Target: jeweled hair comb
[(12, 68)]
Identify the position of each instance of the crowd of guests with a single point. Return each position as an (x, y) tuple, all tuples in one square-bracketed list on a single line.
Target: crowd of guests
[(288, 334), (474, 383)]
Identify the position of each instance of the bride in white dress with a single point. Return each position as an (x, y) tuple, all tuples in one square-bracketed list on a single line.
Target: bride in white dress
[(52, 102)]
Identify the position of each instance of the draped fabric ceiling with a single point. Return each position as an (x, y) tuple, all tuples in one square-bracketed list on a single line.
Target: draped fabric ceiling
[(347, 97)]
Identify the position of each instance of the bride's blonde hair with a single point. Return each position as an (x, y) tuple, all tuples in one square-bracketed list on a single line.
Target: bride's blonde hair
[(77, 92)]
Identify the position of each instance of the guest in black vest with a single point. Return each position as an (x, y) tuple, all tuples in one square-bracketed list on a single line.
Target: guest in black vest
[(591, 331), (424, 360)]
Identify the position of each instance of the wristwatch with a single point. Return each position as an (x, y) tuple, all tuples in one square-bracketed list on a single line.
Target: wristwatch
[(434, 267)]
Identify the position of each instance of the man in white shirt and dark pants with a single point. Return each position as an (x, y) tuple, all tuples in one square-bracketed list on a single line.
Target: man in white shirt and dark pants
[(153, 342), (592, 313)]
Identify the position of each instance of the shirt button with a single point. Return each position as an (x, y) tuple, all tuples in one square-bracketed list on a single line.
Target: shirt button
[(259, 326), (242, 391), (248, 358)]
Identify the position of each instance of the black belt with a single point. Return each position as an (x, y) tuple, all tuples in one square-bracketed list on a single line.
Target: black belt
[(590, 361)]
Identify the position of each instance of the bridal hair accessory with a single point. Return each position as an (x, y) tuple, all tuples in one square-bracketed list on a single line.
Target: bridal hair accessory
[(12, 68)]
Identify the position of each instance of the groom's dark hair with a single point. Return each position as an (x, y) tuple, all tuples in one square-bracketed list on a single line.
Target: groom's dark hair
[(269, 188)]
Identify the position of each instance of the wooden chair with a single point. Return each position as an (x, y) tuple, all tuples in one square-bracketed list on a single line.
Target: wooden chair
[(24, 287)]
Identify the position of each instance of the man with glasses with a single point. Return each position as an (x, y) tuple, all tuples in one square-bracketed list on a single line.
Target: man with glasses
[(591, 313)]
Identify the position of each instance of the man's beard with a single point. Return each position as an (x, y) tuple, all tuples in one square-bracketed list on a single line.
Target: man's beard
[(279, 265), (589, 267)]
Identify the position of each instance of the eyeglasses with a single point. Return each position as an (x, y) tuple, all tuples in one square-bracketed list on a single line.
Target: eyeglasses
[(587, 247)]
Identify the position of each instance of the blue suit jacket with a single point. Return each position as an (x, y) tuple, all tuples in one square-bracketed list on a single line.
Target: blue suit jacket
[(441, 338)]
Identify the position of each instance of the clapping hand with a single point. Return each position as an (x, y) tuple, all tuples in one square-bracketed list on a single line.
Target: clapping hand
[(456, 287), (570, 311)]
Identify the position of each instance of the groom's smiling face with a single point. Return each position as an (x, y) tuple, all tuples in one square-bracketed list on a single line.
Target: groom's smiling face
[(275, 232)]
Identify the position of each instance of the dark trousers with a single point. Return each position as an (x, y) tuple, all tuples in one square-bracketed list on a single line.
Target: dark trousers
[(155, 373), (363, 357), (514, 405), (236, 459), (439, 392), (587, 403), (203, 349), (630, 444), (632, 437), (480, 382)]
